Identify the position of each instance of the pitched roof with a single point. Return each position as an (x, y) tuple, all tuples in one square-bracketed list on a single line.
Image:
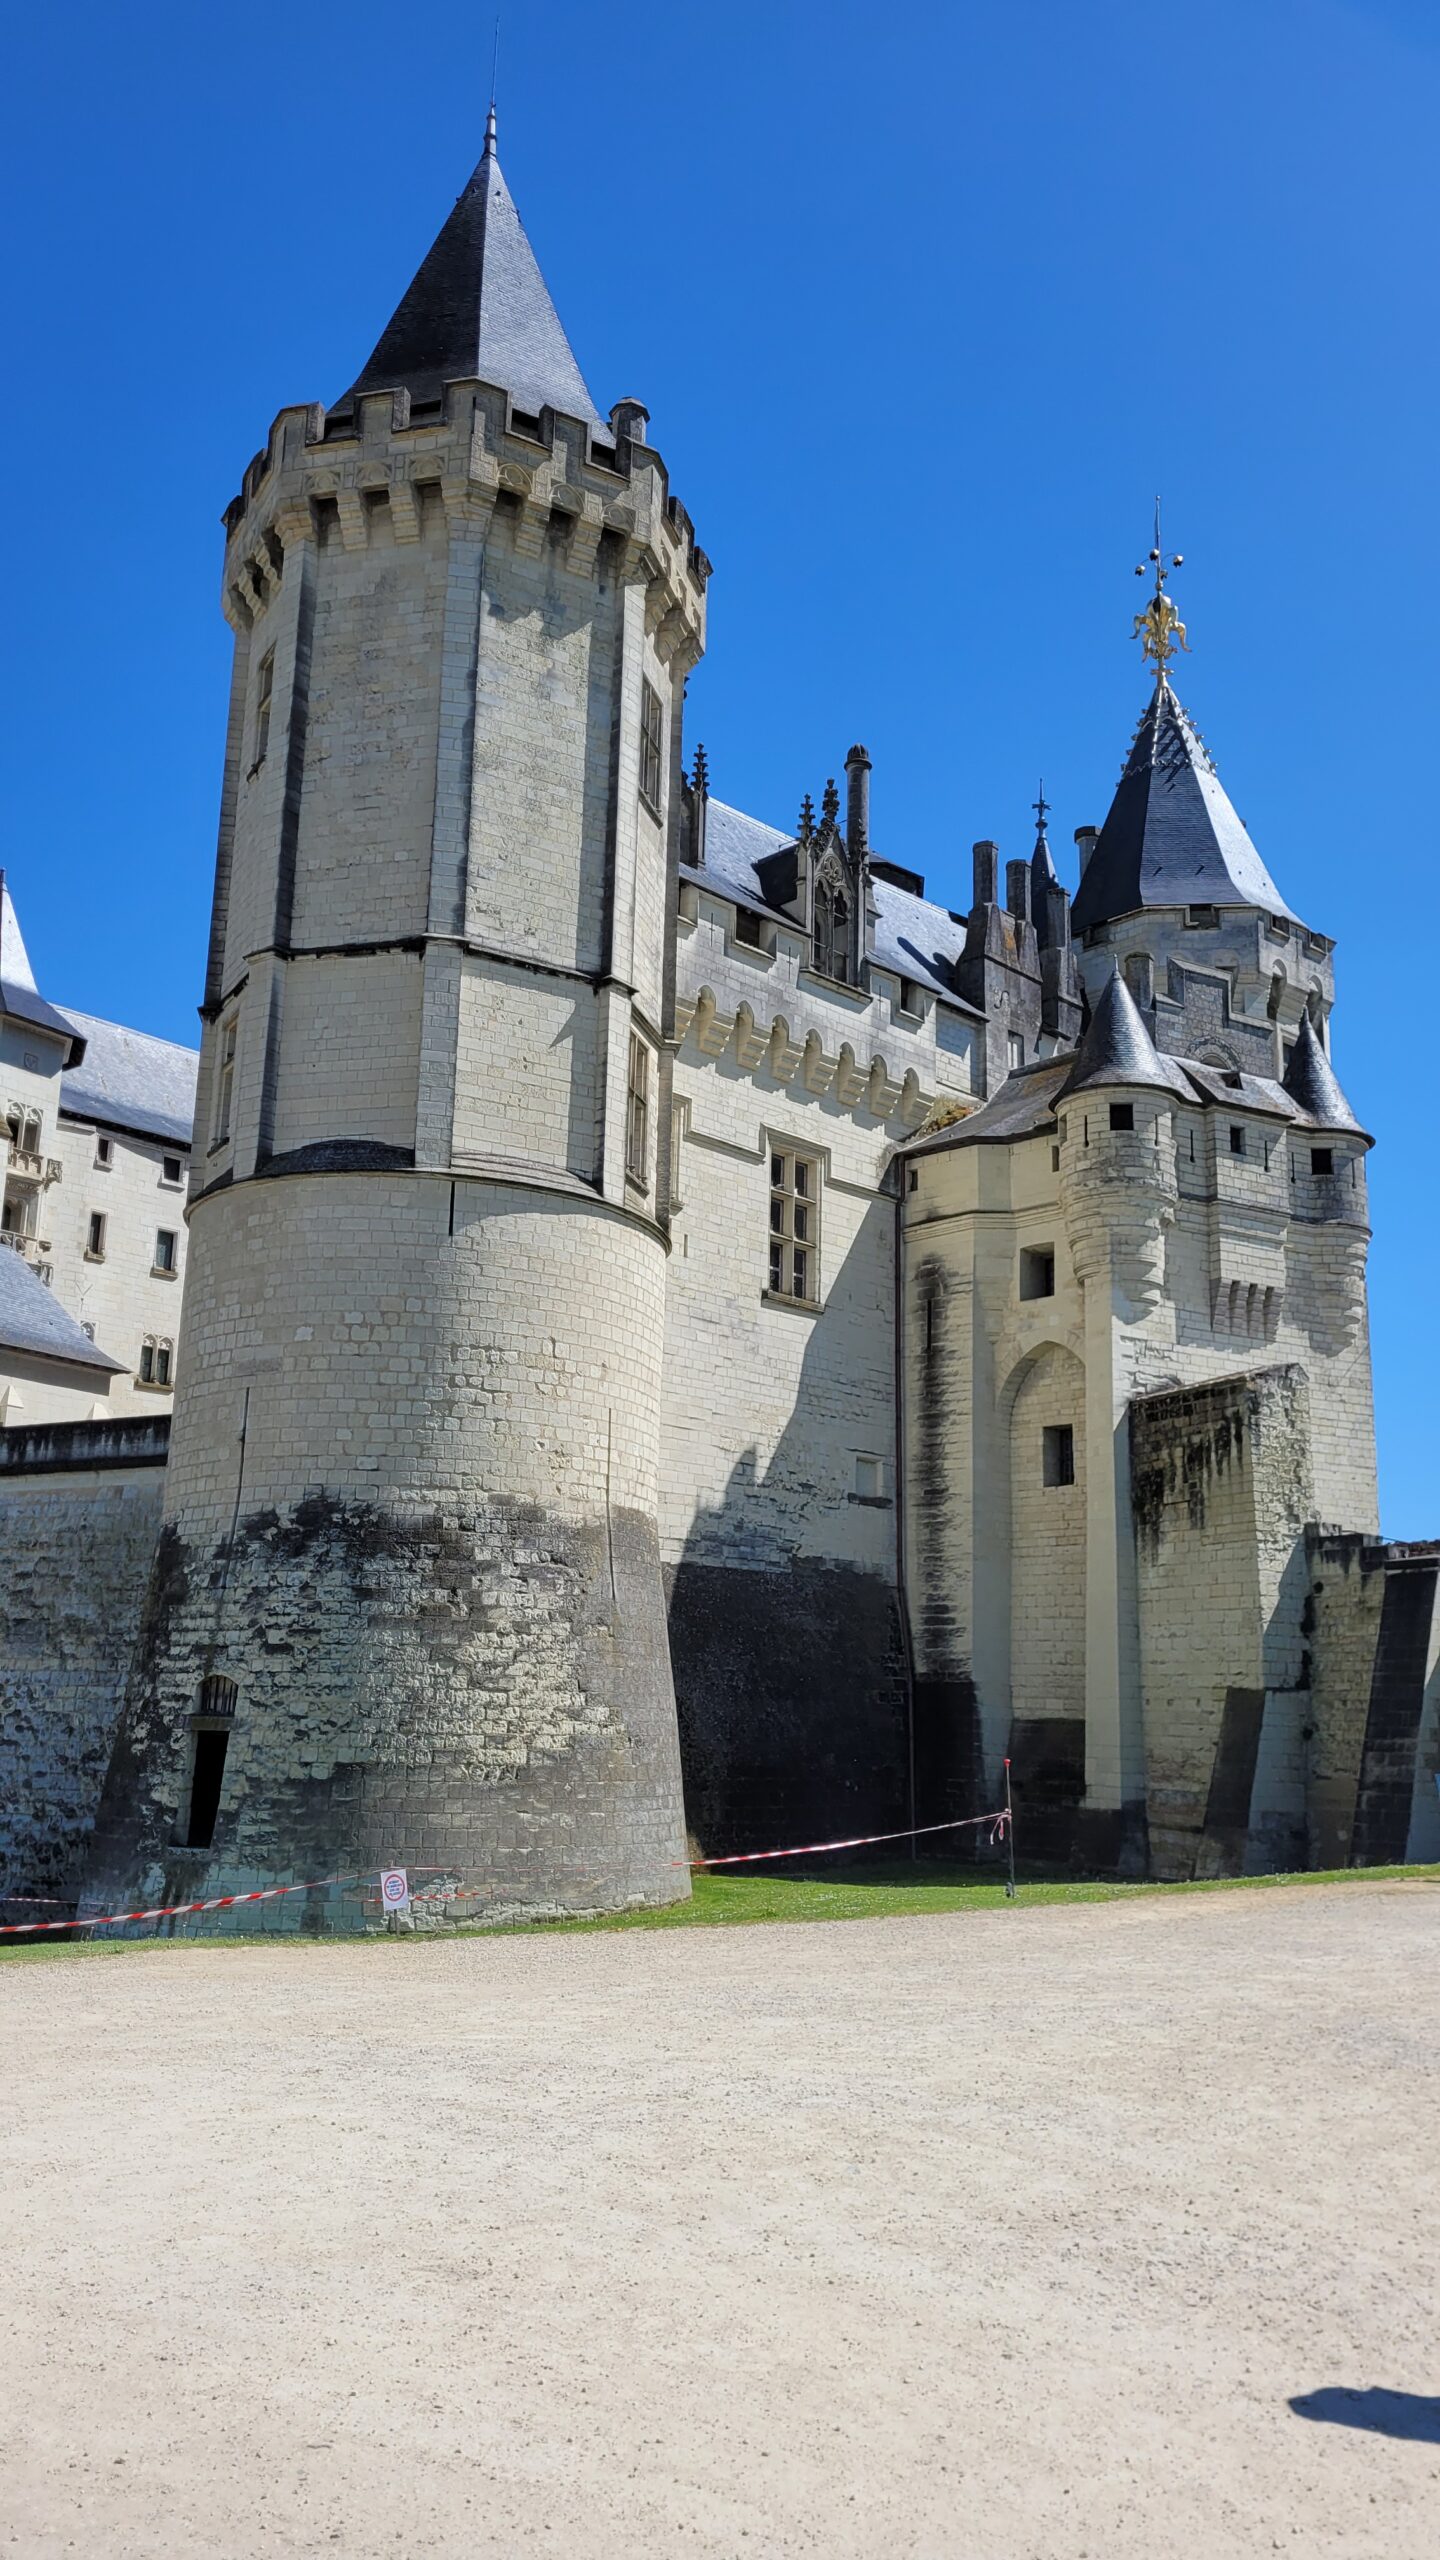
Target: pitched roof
[(1172, 838), (478, 306), (1116, 1048), (1310, 1080), (913, 937), (33, 1320), (130, 1080), (19, 995)]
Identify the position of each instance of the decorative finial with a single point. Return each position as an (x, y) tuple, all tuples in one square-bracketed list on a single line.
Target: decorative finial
[(806, 828), (700, 780), (1159, 628), (494, 73), (830, 803), (1041, 808)]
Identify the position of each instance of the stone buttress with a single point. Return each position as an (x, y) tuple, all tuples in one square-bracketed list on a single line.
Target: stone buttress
[(407, 1604)]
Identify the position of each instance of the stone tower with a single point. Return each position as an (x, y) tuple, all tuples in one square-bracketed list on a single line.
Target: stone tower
[(407, 1604)]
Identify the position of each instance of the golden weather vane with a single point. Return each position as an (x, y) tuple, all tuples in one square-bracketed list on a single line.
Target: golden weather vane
[(1159, 628)]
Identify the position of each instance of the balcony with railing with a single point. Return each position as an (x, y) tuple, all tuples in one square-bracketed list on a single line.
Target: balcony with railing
[(24, 1164)]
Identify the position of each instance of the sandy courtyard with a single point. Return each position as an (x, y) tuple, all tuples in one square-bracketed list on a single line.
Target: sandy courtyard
[(1009, 2234)]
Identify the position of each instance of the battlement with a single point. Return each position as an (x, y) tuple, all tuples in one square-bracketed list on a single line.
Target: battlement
[(370, 472)]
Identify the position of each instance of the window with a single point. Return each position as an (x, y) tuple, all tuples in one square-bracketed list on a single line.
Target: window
[(914, 1179), (1322, 1159), (1057, 1452), (830, 951), (172, 1169), (1122, 1116), (795, 1228), (1037, 1271), (205, 1784), (1054, 1159), (1015, 1050), (652, 743), (166, 1241), (749, 929), (157, 1355), (1237, 1139), (264, 689), (1202, 915), (225, 1079), (95, 1246), (679, 1123), (869, 1479), (637, 1112), (105, 1153), (24, 1128), (909, 996), (218, 1695)]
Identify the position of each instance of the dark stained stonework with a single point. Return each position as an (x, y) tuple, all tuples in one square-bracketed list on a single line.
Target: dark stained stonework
[(1392, 1726), (790, 1691), (386, 1715)]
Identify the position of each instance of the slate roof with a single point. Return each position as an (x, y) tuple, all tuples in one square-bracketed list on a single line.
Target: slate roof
[(1116, 1048), (1172, 838), (130, 1080), (33, 1320), (1311, 1081), (19, 995), (478, 306), (912, 936)]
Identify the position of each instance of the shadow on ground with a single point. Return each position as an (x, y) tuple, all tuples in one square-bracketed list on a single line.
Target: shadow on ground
[(1382, 2413)]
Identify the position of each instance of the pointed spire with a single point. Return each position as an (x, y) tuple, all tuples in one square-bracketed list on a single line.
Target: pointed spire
[(1172, 837), (1310, 1080), (829, 803), (700, 779), (478, 306), (805, 829), (1043, 875), (19, 995), (1116, 1048)]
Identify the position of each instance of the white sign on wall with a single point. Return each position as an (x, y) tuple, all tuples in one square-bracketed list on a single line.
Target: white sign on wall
[(395, 1889)]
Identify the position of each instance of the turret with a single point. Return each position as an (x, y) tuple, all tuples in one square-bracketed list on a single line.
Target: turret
[(1118, 1186), (411, 1509)]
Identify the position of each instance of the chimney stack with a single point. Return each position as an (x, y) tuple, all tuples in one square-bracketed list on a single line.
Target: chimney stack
[(987, 872), (1085, 845), (1057, 919), (1017, 889), (857, 805)]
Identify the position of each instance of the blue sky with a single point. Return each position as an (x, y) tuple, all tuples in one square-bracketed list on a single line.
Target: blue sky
[(925, 304)]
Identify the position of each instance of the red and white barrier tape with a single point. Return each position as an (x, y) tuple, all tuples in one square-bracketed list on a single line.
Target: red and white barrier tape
[(864, 1840), (170, 1910)]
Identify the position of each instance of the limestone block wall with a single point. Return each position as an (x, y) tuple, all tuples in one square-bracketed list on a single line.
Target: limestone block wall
[(1221, 1484), (1231, 992), (122, 1293), (1374, 1630), (79, 1517), (412, 1513)]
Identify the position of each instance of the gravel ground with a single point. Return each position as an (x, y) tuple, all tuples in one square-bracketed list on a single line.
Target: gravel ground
[(1008, 2233)]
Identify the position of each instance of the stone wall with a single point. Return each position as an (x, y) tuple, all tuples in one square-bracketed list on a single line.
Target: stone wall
[(79, 1516), (1374, 1630)]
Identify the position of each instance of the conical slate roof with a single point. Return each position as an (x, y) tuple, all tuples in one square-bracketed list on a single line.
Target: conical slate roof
[(1310, 1080), (19, 995), (1117, 1049), (1172, 838), (479, 306)]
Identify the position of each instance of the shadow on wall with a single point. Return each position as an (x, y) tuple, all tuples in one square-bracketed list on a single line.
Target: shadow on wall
[(785, 1635), (1408, 2415)]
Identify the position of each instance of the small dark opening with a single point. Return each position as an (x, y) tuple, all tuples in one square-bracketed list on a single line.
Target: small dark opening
[(1122, 1115), (1322, 1159), (914, 1179), (1058, 1453), (1237, 1140), (210, 1750), (1037, 1271), (748, 928)]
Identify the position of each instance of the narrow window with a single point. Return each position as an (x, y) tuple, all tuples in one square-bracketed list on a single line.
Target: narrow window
[(679, 1122), (1122, 1115), (105, 1152), (795, 1228), (914, 1179), (205, 1785), (95, 1248), (1037, 1271), (1054, 1159), (909, 996), (171, 1169), (218, 1695), (264, 689), (1015, 1050), (225, 1080), (30, 1136), (831, 942), (652, 743), (1058, 1452), (165, 1244), (1237, 1139), (637, 1111), (1322, 1159), (156, 1354)]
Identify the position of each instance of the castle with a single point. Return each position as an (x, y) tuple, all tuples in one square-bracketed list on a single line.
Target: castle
[(681, 1330)]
